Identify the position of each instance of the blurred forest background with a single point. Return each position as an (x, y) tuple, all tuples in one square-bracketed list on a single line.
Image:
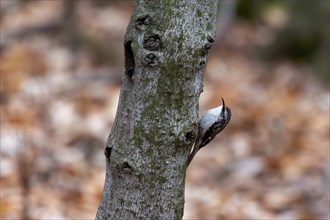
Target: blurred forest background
[(61, 67)]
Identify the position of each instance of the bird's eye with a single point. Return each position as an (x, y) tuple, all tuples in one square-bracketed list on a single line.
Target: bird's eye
[(222, 114)]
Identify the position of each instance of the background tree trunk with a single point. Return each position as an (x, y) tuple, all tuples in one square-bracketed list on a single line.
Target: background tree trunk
[(166, 49)]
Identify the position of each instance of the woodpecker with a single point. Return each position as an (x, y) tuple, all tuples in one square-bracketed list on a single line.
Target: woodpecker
[(212, 123)]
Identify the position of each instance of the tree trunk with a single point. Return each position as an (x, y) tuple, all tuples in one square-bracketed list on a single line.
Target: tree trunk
[(166, 49)]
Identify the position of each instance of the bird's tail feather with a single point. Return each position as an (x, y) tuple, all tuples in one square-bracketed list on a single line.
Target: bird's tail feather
[(194, 152)]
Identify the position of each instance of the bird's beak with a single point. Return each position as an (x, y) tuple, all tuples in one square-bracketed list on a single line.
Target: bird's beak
[(223, 108)]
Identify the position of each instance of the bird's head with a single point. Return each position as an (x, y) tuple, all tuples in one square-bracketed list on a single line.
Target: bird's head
[(225, 112)]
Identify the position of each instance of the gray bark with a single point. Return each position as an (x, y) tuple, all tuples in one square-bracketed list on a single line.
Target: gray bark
[(166, 50)]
